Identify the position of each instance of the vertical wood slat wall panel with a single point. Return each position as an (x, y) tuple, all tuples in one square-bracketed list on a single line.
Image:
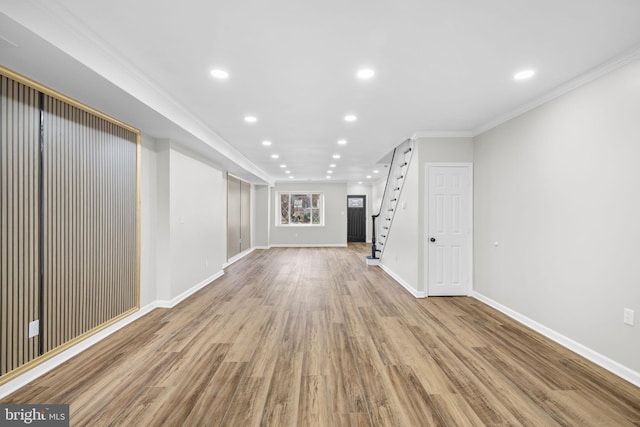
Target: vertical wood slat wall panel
[(83, 219), (90, 222), (19, 232)]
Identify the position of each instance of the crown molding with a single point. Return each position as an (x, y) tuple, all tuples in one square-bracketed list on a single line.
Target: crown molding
[(56, 24), (615, 63), (595, 73), (442, 134)]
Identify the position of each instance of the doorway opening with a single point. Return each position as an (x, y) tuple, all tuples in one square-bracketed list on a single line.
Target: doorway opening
[(356, 218)]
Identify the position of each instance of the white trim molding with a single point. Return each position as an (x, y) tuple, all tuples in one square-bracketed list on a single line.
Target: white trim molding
[(238, 257), (22, 380), (177, 300), (597, 72), (416, 293), (443, 134), (60, 26), (610, 365), (310, 245), (425, 195)]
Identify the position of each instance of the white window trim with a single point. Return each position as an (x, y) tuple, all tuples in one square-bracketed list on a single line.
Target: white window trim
[(278, 207)]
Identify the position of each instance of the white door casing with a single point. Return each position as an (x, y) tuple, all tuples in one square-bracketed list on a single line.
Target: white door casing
[(449, 225)]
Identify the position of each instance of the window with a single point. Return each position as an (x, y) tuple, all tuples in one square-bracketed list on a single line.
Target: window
[(300, 209)]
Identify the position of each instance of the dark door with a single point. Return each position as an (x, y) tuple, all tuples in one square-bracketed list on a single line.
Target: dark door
[(356, 218)]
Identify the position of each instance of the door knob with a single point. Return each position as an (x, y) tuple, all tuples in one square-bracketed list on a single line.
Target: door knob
[(433, 239)]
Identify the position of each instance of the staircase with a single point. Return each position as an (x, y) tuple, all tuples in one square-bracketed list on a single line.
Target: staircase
[(381, 222)]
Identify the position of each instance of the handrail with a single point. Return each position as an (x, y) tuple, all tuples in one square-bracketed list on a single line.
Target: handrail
[(383, 198), (373, 217)]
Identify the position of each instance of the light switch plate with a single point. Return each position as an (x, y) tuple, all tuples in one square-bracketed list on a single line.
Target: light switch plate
[(628, 316), (34, 328)]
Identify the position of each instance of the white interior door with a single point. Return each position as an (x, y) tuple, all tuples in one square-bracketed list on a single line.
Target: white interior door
[(448, 239)]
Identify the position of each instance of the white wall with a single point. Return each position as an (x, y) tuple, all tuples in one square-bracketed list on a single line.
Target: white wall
[(334, 232), (148, 205), (183, 201), (377, 191), (261, 214), (163, 224), (404, 255), (400, 257), (198, 222), (436, 150), (558, 188)]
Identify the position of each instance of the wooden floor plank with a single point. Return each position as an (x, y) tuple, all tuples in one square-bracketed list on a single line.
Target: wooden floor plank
[(215, 400), (283, 397), (315, 337)]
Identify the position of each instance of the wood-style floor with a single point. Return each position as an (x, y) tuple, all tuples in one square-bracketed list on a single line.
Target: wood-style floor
[(314, 337)]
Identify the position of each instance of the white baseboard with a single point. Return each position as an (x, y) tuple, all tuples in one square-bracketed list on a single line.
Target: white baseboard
[(22, 380), (610, 365), (177, 300), (311, 245), (403, 283), (237, 257), (372, 261)]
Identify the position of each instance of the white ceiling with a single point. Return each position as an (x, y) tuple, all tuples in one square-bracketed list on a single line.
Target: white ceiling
[(442, 67)]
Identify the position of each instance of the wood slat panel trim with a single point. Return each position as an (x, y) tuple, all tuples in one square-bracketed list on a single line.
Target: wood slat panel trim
[(18, 222), (86, 198), (55, 94)]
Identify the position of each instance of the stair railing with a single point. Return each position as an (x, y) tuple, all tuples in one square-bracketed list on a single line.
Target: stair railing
[(395, 179)]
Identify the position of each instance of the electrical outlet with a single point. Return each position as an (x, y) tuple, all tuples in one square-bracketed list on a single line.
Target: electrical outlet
[(34, 328), (628, 316)]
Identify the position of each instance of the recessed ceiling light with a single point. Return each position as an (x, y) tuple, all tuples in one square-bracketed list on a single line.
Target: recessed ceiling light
[(350, 118), (342, 141), (219, 74), (376, 171), (329, 171), (336, 156), (365, 73), (283, 166), (275, 156), (332, 165), (328, 177), (250, 119), (368, 176), (287, 172), (523, 75), (266, 143)]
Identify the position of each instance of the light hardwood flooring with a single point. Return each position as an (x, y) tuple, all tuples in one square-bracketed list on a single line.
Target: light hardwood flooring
[(314, 337)]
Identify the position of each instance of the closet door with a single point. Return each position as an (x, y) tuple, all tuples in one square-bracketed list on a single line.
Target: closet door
[(245, 216), (19, 217), (233, 217)]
